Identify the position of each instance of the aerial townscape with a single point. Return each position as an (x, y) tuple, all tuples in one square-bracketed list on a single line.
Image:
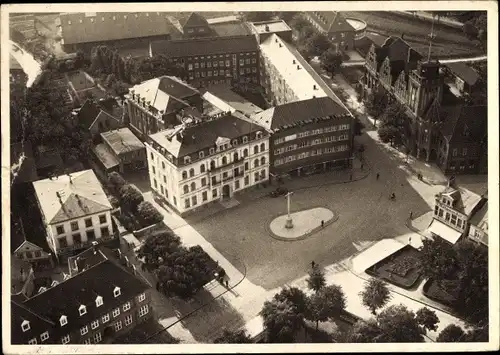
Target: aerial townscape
[(248, 177)]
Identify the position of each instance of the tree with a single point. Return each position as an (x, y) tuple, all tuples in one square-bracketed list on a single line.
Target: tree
[(156, 248), (296, 297), (376, 103), (438, 259), (375, 295), (257, 16), (331, 60), (130, 197), (451, 334), (388, 134), (281, 321), (365, 332), (233, 337), (316, 279), (299, 23), (304, 51), (399, 325), (148, 214), (327, 303), (286, 16), (139, 70), (115, 182), (427, 319), (318, 43), (184, 271)]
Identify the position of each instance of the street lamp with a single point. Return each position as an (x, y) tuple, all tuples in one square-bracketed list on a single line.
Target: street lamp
[(289, 222)]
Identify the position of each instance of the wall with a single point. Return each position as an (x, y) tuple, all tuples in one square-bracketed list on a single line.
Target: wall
[(68, 233)]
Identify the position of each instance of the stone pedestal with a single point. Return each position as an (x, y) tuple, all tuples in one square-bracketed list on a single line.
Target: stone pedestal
[(289, 223)]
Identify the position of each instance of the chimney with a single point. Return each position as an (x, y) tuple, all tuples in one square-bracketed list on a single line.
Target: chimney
[(294, 61), (280, 45), (314, 87), (267, 28), (298, 67), (179, 137), (402, 35), (276, 40)]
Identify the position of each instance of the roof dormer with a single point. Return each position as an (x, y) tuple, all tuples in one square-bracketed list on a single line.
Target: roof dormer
[(98, 301), (25, 325), (117, 291), (82, 310), (63, 320)]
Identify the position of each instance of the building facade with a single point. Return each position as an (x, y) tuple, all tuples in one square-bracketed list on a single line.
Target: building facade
[(308, 136), (478, 229), (335, 26), (102, 301), (75, 211), (452, 212), (198, 163), (160, 103), (213, 60)]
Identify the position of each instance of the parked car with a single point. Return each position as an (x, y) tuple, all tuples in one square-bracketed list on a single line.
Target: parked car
[(280, 191)]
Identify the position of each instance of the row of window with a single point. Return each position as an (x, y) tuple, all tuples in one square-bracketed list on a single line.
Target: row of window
[(75, 226), (334, 128), (303, 144), (29, 254), (77, 237), (320, 151), (95, 324), (111, 18), (193, 200), (449, 217), (221, 56), (455, 152), (216, 64)]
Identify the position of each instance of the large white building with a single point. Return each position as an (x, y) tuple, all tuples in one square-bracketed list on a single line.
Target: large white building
[(75, 211), (199, 162)]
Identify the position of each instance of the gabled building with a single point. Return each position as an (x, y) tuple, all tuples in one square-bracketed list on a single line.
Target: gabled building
[(96, 120), (84, 30), (22, 279), (465, 78), (452, 212), (195, 25), (121, 151), (103, 299), (478, 229), (335, 26), (213, 60), (155, 104), (463, 144), (75, 211), (207, 160), (307, 136)]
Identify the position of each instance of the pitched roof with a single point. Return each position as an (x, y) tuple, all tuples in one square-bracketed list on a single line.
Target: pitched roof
[(14, 64), (47, 157), (122, 141), (108, 26), (227, 100), (20, 313), (105, 156), (332, 21), (465, 200), (460, 118), (205, 46), (21, 159), (194, 20), (464, 72), (99, 279), (64, 197), (298, 111), (17, 235), (480, 220), (396, 49), (229, 29), (165, 93), (205, 135)]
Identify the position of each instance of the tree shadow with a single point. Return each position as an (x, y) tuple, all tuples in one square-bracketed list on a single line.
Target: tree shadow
[(211, 316)]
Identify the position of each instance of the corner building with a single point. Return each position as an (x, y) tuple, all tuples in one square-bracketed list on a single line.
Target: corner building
[(203, 161)]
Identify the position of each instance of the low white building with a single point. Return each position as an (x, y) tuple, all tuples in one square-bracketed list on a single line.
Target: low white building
[(478, 230), (199, 162), (75, 211)]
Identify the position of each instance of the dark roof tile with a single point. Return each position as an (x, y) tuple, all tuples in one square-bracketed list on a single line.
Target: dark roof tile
[(464, 72)]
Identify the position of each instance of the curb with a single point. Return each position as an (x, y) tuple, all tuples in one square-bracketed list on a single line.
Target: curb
[(305, 235)]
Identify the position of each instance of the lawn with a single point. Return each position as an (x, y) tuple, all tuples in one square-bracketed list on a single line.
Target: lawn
[(438, 293), (449, 42), (401, 268)]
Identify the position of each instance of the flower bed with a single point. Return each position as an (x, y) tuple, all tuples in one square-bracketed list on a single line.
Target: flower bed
[(436, 292)]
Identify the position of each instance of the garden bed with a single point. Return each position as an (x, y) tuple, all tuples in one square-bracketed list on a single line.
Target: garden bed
[(435, 292), (401, 268)]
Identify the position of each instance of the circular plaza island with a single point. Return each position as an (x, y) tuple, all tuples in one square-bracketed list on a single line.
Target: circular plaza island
[(302, 224)]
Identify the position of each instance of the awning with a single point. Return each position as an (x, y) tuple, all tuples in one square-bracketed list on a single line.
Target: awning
[(442, 230), (375, 253)]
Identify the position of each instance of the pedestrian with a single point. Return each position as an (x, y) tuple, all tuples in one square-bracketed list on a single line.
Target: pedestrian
[(227, 283), (313, 264), (362, 165), (409, 240), (322, 224), (411, 214), (350, 177), (378, 175)]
